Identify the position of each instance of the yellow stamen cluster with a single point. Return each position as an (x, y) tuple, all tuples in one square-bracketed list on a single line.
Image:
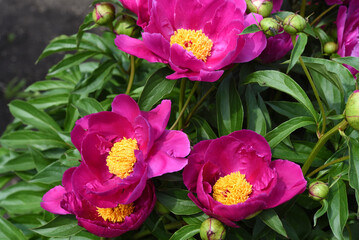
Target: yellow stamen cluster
[(232, 189), (194, 41), (117, 214), (121, 158)]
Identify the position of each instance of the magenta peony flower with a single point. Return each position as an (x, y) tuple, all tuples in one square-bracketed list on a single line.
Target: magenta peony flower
[(277, 47), (233, 177), (140, 8), (196, 38), (103, 222), (121, 149), (348, 32)]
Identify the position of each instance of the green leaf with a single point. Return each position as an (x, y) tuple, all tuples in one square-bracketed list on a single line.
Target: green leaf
[(72, 114), (204, 130), (26, 138), (284, 83), (321, 211), (197, 218), (38, 159), (271, 219), (61, 226), (19, 187), (177, 201), (84, 26), (87, 106), (255, 117), (30, 115), (22, 162), (229, 108), (9, 231), (278, 134), (70, 61), (251, 29), (338, 208), (351, 61), (335, 72), (22, 202), (353, 173), (49, 85), (154, 223), (97, 79), (297, 51), (186, 232), (51, 174), (156, 87), (49, 100), (289, 109)]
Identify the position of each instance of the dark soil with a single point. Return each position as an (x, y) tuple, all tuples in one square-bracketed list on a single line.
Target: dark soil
[(27, 26)]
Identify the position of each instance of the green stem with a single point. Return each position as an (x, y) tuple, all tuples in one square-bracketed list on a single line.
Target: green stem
[(181, 100), (318, 146), (169, 226), (327, 165), (302, 8), (322, 14), (186, 104), (315, 91), (132, 74)]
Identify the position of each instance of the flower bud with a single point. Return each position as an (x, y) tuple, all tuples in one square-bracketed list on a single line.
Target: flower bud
[(103, 13), (330, 47), (318, 190), (262, 7), (294, 24), (270, 26), (125, 25), (352, 110), (212, 229)]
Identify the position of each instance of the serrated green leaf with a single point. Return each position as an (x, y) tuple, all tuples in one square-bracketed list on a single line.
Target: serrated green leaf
[(186, 232), (30, 115), (9, 231), (229, 108), (250, 29), (338, 208), (156, 87), (297, 51), (271, 219), (61, 226), (278, 134), (177, 201), (321, 211), (284, 83)]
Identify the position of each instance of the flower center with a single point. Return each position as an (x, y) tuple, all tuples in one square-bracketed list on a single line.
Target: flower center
[(121, 158), (232, 189), (117, 214), (193, 41)]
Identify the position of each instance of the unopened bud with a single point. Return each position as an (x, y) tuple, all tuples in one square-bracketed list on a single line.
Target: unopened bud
[(318, 190), (352, 110), (270, 26), (103, 13), (262, 7), (126, 25), (212, 229), (330, 47), (294, 24)]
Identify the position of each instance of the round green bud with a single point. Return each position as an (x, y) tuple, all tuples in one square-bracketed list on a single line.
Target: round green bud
[(330, 47), (126, 25), (352, 110), (294, 24), (318, 190), (212, 229), (262, 7), (103, 13), (270, 26)]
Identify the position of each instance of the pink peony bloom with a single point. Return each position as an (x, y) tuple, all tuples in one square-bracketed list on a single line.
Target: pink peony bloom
[(121, 149), (101, 222), (233, 177), (277, 47), (196, 38), (348, 32)]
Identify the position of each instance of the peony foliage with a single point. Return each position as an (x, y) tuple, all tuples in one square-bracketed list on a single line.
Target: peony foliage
[(180, 119)]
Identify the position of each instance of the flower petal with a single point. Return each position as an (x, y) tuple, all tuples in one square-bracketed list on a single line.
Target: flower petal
[(125, 106), (52, 199)]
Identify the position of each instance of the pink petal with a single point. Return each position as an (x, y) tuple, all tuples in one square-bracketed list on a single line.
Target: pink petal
[(341, 17), (185, 59), (80, 131), (143, 135), (156, 43), (66, 179), (125, 106), (137, 48), (162, 18), (290, 182), (202, 75), (51, 200), (168, 152)]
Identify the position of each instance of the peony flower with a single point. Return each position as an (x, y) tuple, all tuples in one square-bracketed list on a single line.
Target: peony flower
[(140, 8), (103, 222), (277, 47), (121, 149), (233, 177), (196, 38), (348, 34)]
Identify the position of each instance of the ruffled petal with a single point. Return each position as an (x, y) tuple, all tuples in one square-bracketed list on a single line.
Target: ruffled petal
[(290, 182), (125, 106), (156, 43), (52, 199), (185, 59)]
